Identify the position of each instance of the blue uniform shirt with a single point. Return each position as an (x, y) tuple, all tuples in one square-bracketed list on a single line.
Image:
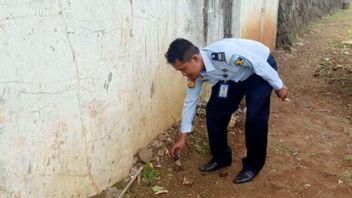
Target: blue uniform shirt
[(229, 59)]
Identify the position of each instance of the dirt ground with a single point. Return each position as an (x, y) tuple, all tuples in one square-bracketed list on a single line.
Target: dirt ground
[(310, 136)]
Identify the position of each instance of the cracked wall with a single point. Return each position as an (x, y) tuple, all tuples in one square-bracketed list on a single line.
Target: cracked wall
[(84, 85)]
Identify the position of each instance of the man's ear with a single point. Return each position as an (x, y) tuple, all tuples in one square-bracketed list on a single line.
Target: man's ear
[(196, 57)]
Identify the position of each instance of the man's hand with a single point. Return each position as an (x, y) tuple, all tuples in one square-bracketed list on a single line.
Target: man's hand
[(178, 146), (282, 93)]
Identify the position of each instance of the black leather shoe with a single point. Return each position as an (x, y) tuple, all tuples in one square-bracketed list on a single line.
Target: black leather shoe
[(245, 176), (212, 166)]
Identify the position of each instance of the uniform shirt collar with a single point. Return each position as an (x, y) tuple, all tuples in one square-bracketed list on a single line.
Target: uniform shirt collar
[(208, 65)]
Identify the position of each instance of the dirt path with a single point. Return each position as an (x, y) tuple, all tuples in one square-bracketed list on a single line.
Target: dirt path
[(310, 136)]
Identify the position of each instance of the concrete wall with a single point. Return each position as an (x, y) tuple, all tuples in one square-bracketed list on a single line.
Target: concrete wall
[(84, 85), (294, 14), (258, 21)]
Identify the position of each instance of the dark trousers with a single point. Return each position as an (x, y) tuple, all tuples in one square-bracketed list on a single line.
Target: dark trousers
[(257, 93)]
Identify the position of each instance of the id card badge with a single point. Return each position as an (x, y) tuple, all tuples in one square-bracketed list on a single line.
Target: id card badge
[(223, 90)]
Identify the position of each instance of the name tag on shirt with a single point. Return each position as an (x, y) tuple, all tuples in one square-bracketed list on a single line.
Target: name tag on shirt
[(218, 56), (223, 90)]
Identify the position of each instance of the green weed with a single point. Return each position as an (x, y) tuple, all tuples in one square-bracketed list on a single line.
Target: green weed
[(348, 157), (347, 174), (149, 173)]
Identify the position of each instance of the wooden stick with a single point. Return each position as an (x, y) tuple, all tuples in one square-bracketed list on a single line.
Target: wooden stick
[(130, 182)]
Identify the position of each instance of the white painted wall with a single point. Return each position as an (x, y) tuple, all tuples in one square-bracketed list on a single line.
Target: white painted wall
[(84, 85)]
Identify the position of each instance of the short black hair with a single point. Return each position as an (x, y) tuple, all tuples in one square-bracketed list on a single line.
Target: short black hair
[(180, 49)]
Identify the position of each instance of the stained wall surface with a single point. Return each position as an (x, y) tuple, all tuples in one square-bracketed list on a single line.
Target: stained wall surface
[(84, 85), (258, 21)]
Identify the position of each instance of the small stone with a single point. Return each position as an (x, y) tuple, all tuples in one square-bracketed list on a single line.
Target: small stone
[(156, 144), (169, 139), (340, 181), (307, 185), (112, 192), (223, 173), (135, 159), (157, 158), (126, 180), (166, 151), (178, 163), (162, 137), (145, 154), (158, 166), (187, 182), (161, 153), (133, 170)]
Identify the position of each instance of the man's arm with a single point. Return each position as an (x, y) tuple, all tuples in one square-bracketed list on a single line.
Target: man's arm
[(189, 106), (189, 109), (263, 69)]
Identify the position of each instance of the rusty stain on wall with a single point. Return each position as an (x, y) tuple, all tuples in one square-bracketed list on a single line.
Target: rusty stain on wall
[(251, 28), (261, 24), (268, 33)]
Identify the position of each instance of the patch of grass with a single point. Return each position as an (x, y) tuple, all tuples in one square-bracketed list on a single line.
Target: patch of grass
[(149, 173), (337, 15), (311, 154), (338, 78), (347, 67), (347, 173), (349, 32), (348, 157), (127, 195)]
